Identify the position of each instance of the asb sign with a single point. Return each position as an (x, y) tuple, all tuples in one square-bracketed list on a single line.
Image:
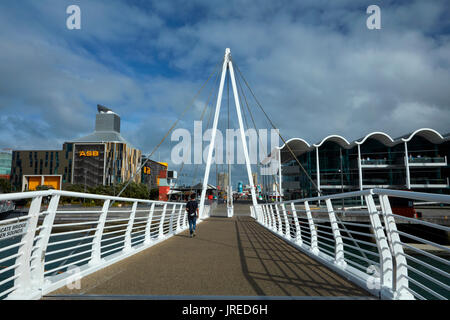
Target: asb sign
[(89, 153)]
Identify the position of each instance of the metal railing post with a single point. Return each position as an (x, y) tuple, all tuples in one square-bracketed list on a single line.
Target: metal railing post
[(286, 222), (38, 256), (172, 214), (161, 223), (269, 217), (97, 240), (298, 232), (280, 228), (339, 243), (23, 281), (148, 225), (383, 247), (264, 214), (312, 229), (184, 217), (400, 283), (272, 214), (179, 217), (127, 246)]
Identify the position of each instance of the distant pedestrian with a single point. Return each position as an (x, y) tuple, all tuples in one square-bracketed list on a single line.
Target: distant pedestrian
[(192, 212)]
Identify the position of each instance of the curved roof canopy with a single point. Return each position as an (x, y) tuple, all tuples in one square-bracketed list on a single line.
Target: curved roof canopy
[(300, 146), (382, 137), (297, 146), (334, 138), (429, 134)]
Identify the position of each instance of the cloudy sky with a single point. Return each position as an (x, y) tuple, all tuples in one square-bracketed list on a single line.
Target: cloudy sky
[(313, 65)]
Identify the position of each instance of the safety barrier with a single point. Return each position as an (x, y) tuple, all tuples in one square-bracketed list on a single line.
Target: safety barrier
[(55, 244), (381, 254)]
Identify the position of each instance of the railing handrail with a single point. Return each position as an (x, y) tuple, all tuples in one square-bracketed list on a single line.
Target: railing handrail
[(389, 192), (324, 241), (35, 274), (63, 193)]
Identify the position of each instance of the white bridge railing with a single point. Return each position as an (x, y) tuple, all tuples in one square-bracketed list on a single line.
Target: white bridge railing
[(390, 255), (55, 244)]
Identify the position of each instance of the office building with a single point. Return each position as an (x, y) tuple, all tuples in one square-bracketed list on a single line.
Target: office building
[(101, 158), (416, 161), (151, 172)]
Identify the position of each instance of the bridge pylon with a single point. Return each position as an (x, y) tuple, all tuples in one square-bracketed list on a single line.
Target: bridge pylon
[(227, 66)]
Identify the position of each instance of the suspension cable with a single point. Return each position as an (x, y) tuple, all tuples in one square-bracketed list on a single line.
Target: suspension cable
[(170, 130), (257, 133), (338, 218), (284, 141), (207, 126)]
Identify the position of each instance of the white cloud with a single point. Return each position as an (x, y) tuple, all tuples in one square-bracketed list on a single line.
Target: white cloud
[(314, 66)]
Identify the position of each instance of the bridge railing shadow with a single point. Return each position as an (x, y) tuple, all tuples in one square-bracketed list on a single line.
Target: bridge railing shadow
[(272, 265)]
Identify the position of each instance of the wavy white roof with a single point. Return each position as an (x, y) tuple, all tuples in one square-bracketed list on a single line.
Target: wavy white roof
[(300, 146), (427, 133), (334, 138)]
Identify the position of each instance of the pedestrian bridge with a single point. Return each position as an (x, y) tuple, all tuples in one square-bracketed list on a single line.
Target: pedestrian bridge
[(72, 245)]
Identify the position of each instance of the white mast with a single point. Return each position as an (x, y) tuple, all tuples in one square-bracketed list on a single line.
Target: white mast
[(227, 64)]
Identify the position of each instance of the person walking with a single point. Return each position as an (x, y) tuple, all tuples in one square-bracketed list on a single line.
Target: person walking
[(192, 212)]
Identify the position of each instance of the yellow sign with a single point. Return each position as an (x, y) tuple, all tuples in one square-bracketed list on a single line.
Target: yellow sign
[(88, 153), (146, 170)]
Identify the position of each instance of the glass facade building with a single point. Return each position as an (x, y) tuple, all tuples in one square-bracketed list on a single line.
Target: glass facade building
[(101, 158), (417, 161)]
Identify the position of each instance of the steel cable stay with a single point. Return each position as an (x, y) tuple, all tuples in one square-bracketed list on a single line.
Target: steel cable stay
[(284, 141), (207, 126), (171, 128), (207, 102), (257, 132), (281, 137)]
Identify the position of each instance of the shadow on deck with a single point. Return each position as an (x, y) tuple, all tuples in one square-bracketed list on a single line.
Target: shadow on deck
[(229, 257)]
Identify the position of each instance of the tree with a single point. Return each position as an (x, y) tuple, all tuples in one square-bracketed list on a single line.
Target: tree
[(154, 194), (5, 186), (134, 190)]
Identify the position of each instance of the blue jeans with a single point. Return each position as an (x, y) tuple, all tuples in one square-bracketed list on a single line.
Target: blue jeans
[(192, 222)]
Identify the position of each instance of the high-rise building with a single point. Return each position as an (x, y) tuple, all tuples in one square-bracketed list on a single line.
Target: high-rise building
[(103, 157)]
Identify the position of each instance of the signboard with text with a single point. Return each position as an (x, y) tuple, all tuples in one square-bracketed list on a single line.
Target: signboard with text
[(12, 230)]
